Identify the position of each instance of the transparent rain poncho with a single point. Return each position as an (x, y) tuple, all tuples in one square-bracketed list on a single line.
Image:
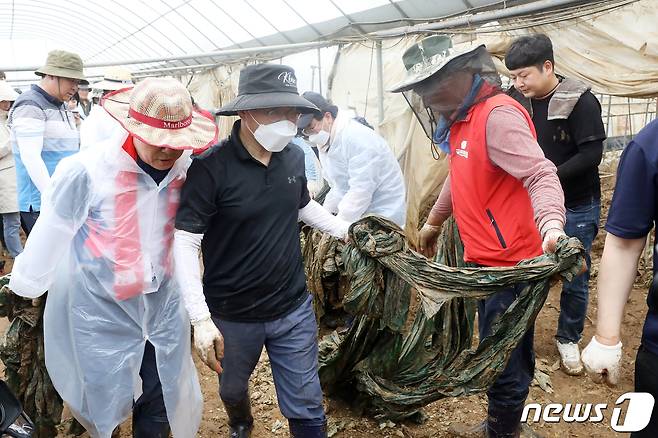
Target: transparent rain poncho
[(98, 126), (102, 249)]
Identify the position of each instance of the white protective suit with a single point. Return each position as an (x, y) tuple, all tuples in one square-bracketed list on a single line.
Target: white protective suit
[(364, 176), (102, 248)]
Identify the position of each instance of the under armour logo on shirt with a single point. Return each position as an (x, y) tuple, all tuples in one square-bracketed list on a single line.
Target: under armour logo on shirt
[(288, 79), (292, 180)]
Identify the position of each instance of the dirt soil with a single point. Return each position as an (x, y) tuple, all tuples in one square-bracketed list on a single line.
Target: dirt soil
[(344, 423)]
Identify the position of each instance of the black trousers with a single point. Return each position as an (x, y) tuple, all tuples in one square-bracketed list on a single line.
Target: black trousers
[(508, 393), (149, 413), (646, 380), (28, 219)]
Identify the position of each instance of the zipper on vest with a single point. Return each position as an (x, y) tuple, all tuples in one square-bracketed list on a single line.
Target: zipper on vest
[(498, 233)]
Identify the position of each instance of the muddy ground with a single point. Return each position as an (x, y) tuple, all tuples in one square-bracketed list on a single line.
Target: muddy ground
[(344, 423)]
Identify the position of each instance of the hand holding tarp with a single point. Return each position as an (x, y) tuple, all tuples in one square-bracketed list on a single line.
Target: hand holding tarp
[(428, 240), (549, 244)]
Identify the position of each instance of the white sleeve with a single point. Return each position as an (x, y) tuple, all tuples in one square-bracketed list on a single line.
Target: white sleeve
[(315, 215), (28, 132), (65, 208), (188, 274), (362, 172), (36, 168)]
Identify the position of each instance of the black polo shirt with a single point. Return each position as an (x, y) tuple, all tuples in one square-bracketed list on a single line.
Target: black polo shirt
[(248, 214)]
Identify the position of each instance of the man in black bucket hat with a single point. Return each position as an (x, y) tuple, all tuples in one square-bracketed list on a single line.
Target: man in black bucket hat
[(241, 204)]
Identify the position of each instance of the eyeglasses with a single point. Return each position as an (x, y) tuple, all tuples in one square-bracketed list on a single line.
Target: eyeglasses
[(73, 81), (278, 114)]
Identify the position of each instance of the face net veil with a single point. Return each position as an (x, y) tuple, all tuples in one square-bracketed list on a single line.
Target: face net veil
[(448, 94)]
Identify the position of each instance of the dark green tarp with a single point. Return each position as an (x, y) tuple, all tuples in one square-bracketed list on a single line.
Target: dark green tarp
[(22, 353), (411, 342)]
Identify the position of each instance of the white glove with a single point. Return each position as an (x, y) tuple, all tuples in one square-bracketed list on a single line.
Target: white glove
[(602, 362), (313, 188), (209, 343), (549, 245)]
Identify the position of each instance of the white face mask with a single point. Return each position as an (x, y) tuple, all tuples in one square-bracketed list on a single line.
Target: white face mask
[(320, 138), (275, 136)]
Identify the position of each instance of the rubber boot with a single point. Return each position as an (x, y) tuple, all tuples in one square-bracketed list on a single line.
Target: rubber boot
[(150, 429), (240, 420), (307, 428), (504, 422)]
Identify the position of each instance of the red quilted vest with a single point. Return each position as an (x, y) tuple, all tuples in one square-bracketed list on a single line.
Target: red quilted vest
[(492, 208)]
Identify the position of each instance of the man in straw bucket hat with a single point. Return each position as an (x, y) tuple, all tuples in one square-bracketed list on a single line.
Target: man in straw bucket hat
[(98, 125), (241, 205), (103, 249), (504, 194), (43, 131)]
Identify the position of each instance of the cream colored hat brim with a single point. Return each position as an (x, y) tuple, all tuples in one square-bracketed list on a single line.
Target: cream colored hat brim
[(110, 85), (199, 135)]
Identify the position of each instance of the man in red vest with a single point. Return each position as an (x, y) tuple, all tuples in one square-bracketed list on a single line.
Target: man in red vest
[(504, 194)]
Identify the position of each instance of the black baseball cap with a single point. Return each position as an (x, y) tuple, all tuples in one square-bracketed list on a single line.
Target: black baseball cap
[(319, 101)]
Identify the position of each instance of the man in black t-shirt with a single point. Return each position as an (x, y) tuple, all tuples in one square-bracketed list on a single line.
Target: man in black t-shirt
[(570, 131), (241, 204)]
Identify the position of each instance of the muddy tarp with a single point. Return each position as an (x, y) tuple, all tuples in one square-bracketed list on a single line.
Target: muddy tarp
[(411, 342), (22, 353)]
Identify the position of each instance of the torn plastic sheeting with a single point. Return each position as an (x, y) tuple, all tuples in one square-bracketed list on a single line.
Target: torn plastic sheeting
[(394, 371)]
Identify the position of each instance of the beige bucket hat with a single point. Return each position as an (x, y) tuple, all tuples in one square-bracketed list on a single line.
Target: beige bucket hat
[(159, 112)]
